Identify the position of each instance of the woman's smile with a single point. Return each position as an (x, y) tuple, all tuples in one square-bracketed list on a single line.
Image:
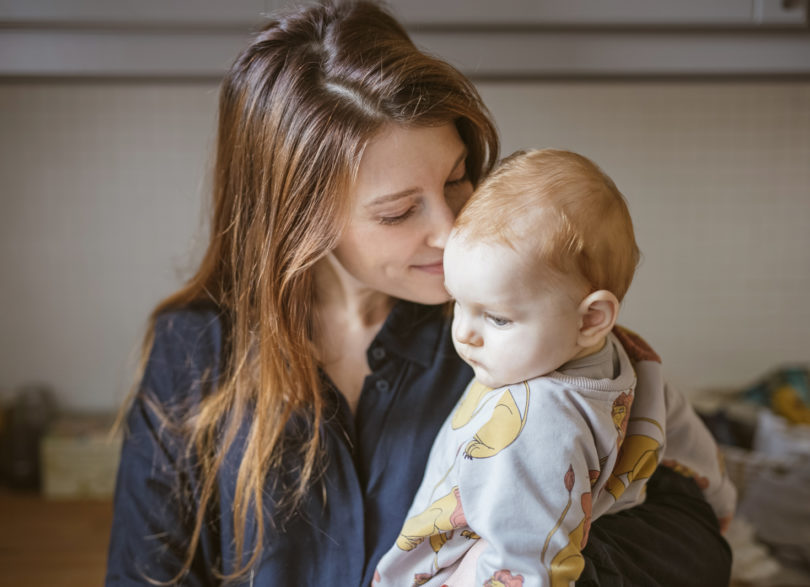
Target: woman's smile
[(433, 268)]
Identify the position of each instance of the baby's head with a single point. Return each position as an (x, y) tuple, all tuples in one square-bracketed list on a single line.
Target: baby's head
[(538, 263)]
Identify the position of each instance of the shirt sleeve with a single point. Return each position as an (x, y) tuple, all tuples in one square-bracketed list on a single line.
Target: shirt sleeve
[(153, 504), (531, 500), (692, 451)]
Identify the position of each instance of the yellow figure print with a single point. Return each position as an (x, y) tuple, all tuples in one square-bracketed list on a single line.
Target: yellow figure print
[(638, 458), (469, 404), (620, 413), (568, 563), (437, 540), (501, 430), (443, 515)]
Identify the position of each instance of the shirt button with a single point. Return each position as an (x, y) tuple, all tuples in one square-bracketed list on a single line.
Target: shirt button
[(382, 385), (377, 353)]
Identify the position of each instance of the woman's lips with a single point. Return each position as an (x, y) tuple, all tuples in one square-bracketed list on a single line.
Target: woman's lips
[(433, 268)]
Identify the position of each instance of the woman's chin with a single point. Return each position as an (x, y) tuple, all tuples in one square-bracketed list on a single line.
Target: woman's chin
[(428, 296)]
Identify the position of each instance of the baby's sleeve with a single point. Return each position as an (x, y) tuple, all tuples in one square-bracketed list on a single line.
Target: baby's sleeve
[(530, 499), (691, 450)]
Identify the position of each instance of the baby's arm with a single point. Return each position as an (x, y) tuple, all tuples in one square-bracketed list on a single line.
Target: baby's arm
[(531, 500), (691, 450)]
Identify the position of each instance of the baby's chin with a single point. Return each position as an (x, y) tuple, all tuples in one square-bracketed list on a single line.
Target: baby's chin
[(496, 380), (485, 378)]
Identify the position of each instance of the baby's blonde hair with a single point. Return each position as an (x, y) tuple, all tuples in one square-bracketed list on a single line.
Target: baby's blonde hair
[(562, 209)]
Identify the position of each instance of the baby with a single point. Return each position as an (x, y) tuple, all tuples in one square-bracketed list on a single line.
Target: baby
[(551, 433)]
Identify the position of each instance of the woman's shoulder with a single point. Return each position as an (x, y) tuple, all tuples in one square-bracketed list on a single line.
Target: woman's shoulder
[(189, 327), (186, 353)]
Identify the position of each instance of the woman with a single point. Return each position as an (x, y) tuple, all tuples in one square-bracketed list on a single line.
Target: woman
[(293, 387)]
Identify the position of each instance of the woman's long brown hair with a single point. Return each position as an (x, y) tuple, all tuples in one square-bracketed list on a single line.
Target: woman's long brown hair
[(296, 110)]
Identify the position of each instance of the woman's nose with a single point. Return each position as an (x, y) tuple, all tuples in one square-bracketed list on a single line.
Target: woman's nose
[(440, 224)]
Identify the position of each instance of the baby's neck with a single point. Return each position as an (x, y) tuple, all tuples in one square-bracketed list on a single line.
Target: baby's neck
[(599, 364), (590, 350)]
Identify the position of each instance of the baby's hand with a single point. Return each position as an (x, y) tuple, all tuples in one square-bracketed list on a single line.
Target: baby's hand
[(464, 575)]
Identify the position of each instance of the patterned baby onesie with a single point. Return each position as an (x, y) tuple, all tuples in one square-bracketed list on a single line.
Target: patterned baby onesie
[(529, 466)]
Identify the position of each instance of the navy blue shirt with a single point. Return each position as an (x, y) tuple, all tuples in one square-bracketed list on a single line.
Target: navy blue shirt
[(374, 464)]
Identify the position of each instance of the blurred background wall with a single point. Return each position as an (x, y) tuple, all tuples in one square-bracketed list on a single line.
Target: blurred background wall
[(104, 175)]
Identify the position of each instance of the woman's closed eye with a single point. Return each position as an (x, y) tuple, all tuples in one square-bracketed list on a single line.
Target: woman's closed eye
[(451, 183), (457, 192), (396, 218), (458, 176)]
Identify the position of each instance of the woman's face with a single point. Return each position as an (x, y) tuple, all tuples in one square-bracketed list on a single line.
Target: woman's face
[(411, 183)]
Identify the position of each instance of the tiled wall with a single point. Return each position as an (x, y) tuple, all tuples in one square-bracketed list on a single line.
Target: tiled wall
[(104, 184), (717, 177)]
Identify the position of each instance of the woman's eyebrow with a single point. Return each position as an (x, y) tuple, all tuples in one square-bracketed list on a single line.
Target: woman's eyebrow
[(392, 197), (409, 191)]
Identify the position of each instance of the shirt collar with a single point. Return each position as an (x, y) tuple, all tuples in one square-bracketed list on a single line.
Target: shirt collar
[(413, 331)]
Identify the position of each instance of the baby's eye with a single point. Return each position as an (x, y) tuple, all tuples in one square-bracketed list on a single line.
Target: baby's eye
[(498, 321)]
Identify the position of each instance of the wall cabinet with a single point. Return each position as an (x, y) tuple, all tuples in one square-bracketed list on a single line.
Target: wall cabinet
[(510, 39)]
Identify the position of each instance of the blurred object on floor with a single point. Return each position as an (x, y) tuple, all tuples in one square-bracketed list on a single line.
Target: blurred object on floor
[(752, 565), (767, 451), (79, 457), (777, 437), (25, 420), (732, 421), (786, 391), (774, 495)]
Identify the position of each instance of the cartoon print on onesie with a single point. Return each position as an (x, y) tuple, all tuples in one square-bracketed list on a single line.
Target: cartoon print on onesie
[(438, 521), (638, 453), (568, 563), (636, 457)]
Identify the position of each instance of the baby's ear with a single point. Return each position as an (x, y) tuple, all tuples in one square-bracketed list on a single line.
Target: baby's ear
[(597, 314)]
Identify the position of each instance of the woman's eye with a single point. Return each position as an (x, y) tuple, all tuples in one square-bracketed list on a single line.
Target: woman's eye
[(498, 321), (457, 192), (457, 182), (397, 218)]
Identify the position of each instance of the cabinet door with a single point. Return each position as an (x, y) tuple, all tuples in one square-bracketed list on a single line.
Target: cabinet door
[(603, 13), (134, 13)]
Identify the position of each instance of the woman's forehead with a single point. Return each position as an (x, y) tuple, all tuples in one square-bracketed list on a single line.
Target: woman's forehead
[(402, 159)]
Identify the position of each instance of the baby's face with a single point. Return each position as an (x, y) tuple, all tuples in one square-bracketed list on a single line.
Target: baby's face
[(509, 324)]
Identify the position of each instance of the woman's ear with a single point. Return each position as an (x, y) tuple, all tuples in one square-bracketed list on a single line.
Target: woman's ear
[(597, 314)]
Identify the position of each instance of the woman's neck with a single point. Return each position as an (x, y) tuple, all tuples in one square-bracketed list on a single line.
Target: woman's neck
[(341, 296), (348, 317)]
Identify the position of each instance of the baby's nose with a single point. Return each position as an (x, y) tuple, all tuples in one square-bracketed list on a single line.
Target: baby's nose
[(465, 333)]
